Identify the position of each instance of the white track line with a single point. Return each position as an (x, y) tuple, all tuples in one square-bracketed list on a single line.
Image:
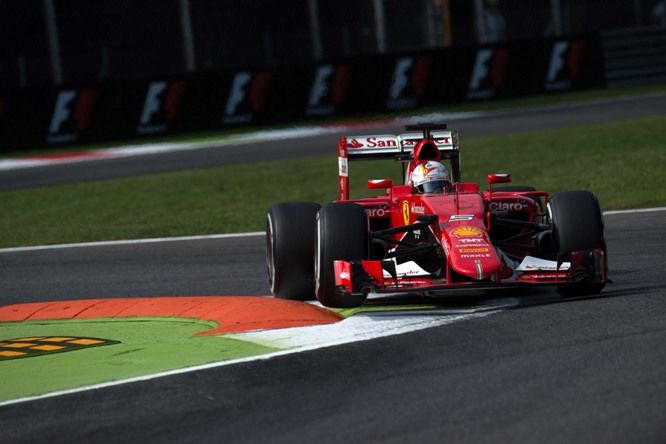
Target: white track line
[(132, 241), (636, 210), (222, 236)]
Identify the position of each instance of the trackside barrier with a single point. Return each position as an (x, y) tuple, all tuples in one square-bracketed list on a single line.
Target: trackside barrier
[(104, 112), (634, 56)]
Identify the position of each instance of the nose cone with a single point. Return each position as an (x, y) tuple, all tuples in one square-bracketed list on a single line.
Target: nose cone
[(478, 266), (471, 255)]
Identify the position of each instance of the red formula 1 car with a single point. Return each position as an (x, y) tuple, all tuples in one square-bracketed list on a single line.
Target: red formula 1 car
[(429, 237)]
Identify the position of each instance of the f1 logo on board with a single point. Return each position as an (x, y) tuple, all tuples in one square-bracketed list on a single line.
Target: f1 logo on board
[(409, 82), (488, 73), (566, 64), (72, 114), (330, 87), (161, 106), (247, 97)]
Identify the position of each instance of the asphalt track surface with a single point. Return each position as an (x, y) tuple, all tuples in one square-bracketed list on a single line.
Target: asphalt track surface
[(502, 122), (576, 371)]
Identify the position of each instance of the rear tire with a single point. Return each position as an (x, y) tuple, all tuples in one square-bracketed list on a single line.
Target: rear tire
[(577, 225), (342, 233), (290, 238)]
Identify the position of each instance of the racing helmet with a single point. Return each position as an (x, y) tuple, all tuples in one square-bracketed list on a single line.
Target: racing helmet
[(430, 177)]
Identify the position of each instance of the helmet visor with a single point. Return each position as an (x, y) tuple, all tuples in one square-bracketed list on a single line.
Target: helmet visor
[(436, 186)]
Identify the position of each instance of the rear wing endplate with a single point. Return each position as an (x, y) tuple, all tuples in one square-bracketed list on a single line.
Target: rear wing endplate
[(390, 146)]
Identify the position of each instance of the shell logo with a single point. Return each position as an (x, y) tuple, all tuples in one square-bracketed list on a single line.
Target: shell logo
[(467, 231)]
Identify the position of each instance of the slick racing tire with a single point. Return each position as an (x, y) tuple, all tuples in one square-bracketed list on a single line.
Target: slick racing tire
[(290, 238), (342, 233), (577, 225)]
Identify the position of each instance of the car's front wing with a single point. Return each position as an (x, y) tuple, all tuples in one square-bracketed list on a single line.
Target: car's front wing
[(377, 276)]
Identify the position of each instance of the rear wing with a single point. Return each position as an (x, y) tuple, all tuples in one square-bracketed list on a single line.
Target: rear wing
[(388, 146), (398, 147)]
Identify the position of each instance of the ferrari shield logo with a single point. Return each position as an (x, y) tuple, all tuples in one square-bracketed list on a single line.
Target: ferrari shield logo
[(405, 212)]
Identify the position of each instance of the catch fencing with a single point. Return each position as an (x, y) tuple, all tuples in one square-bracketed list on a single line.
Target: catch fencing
[(76, 71)]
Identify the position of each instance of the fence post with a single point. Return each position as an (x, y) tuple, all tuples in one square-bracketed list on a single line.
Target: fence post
[(556, 17), (480, 22), (53, 45), (380, 30), (315, 30), (188, 37)]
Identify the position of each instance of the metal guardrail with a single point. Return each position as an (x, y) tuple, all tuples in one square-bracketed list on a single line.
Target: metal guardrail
[(634, 56)]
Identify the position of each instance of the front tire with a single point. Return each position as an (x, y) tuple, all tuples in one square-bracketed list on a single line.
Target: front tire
[(577, 225), (290, 238), (342, 233)]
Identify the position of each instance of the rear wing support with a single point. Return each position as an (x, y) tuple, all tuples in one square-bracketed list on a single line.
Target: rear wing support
[(343, 168), (398, 147)]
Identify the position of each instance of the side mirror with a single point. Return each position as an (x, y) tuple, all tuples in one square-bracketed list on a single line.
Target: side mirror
[(498, 178), (377, 184)]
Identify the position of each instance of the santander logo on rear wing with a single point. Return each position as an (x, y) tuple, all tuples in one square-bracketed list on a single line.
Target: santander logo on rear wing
[(388, 145), (380, 145)]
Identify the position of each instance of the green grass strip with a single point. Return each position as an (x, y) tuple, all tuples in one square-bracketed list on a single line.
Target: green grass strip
[(147, 346), (623, 163)]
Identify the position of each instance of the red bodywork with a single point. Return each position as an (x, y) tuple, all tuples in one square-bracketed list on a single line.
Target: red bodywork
[(455, 236)]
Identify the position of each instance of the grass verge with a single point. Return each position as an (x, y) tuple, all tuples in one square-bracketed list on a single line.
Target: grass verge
[(146, 346), (622, 163)]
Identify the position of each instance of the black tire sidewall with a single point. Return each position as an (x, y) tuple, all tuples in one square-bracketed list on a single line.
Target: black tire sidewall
[(577, 225), (577, 222), (290, 238), (342, 233)]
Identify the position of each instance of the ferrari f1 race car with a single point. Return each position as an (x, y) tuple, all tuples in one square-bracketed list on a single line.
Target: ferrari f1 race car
[(433, 234)]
